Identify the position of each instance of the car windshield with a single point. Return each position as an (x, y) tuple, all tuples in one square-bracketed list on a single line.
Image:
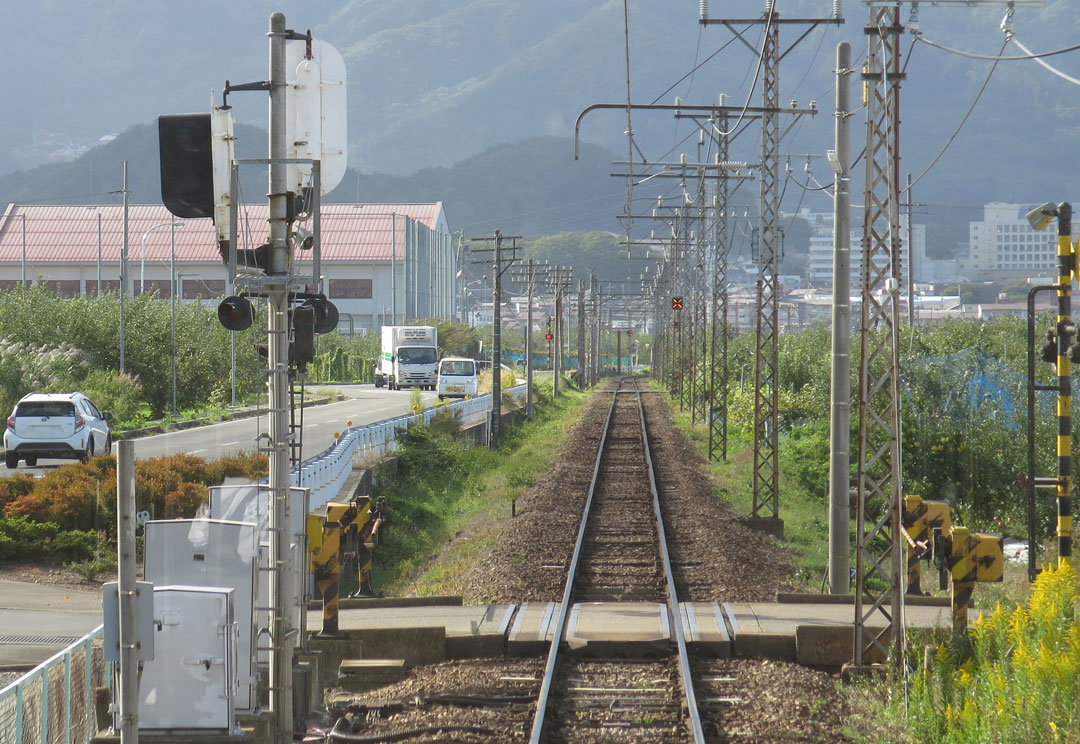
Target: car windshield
[(45, 408), (457, 368), (416, 356)]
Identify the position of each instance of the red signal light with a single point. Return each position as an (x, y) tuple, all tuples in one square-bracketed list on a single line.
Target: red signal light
[(548, 336)]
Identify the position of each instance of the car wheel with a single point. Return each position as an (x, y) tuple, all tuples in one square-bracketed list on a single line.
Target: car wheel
[(89, 449), (11, 460), (31, 461), (108, 443)]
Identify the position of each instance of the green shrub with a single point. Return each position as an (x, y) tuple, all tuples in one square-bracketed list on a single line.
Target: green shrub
[(75, 545), (21, 537)]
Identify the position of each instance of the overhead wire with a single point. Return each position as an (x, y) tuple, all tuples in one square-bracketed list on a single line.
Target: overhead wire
[(694, 69), (959, 126), (757, 74), (997, 58), (1039, 61)]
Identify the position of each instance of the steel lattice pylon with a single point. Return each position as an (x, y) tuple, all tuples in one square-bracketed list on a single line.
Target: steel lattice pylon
[(699, 353), (879, 544), (718, 370), (766, 469)]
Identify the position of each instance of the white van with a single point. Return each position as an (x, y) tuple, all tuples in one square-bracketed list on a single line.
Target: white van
[(457, 378)]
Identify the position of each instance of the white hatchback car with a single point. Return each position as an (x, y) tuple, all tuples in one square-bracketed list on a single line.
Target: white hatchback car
[(60, 425)]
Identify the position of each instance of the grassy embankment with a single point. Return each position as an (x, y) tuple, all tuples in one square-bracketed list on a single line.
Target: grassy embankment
[(448, 495)]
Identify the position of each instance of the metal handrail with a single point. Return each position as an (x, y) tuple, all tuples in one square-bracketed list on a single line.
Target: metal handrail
[(27, 716)]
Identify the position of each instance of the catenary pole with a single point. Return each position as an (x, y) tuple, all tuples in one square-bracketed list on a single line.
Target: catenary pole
[(840, 409)]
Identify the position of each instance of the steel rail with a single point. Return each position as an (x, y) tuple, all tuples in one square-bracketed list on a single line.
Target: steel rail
[(673, 605), (564, 609), (673, 597)]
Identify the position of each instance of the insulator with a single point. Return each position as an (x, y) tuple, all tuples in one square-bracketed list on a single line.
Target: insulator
[(838, 9), (704, 8)]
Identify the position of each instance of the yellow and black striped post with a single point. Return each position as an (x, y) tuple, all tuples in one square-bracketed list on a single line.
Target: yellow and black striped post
[(963, 577), (920, 518), (1066, 269), (326, 561), (914, 511)]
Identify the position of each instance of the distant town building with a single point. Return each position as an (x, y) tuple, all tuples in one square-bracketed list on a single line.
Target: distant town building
[(819, 265), (1004, 246)]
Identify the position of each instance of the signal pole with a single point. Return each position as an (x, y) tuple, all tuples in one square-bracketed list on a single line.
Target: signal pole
[(281, 658)]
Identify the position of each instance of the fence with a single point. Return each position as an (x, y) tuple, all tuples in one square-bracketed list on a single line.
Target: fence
[(325, 473), (54, 701)]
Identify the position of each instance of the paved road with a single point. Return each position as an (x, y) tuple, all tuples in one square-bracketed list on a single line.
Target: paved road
[(39, 620), (365, 405)]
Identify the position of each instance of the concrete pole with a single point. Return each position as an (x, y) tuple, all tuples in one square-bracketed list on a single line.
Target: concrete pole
[(528, 347), (618, 351), (840, 408), (129, 632), (582, 376), (99, 254), (556, 342), (123, 269), (172, 303), (496, 343), (23, 250), (393, 268), (911, 258), (281, 703)]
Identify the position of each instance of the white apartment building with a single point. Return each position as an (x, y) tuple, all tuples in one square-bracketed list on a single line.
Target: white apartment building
[(819, 266), (1004, 246)]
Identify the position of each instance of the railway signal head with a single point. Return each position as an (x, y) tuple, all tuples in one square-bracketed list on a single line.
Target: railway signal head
[(676, 303), (548, 336), (236, 313)]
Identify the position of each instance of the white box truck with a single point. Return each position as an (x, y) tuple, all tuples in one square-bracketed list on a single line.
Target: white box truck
[(409, 358)]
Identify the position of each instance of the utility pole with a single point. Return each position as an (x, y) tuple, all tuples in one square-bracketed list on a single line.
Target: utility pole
[(126, 590), (281, 657), (123, 269), (582, 374), (618, 351), (840, 410), (530, 273), (911, 258), (498, 266), (557, 341), (528, 347)]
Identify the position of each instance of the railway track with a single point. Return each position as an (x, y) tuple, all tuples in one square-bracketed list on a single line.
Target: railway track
[(620, 554)]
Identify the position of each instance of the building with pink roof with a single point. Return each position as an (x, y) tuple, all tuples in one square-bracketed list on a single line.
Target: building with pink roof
[(379, 262)]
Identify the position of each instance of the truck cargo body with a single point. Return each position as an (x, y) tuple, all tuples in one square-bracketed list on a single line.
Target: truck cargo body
[(409, 357)]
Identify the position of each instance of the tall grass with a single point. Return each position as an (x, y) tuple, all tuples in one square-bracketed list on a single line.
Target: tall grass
[(448, 492), (1014, 678)]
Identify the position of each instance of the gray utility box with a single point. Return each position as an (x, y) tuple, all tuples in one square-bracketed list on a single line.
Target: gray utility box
[(212, 553), (251, 503), (190, 683)]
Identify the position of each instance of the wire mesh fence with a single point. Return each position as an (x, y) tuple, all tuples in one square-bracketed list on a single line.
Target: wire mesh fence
[(54, 703)]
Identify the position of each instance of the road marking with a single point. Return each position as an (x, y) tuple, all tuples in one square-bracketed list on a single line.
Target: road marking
[(229, 444)]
